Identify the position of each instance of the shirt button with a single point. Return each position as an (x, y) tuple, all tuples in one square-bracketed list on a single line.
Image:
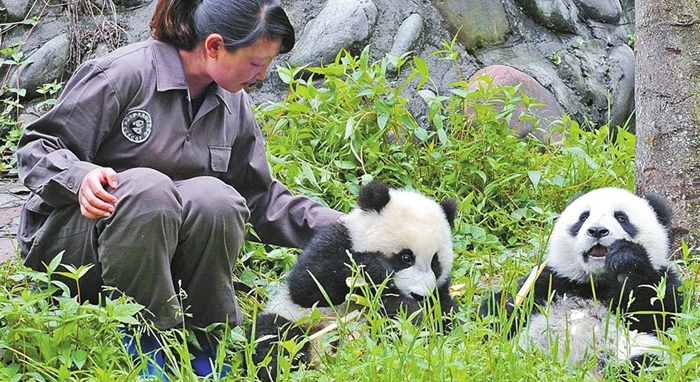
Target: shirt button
[(71, 183)]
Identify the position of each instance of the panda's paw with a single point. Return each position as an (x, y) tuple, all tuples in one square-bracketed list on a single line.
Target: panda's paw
[(627, 258)]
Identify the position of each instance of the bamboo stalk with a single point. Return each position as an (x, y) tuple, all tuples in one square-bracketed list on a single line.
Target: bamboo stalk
[(345, 319), (529, 282)]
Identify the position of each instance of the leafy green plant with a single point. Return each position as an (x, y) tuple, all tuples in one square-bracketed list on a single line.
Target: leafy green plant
[(12, 106), (47, 335)]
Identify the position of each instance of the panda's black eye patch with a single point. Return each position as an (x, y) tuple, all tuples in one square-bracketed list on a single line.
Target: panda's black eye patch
[(625, 223), (435, 265), (621, 217), (402, 259), (407, 256), (577, 226)]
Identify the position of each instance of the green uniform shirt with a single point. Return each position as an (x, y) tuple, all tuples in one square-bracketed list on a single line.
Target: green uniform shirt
[(131, 108)]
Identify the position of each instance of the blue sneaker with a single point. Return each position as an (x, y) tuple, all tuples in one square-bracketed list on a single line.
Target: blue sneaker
[(204, 360), (151, 348)]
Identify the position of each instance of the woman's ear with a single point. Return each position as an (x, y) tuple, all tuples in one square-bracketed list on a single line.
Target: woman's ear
[(212, 44)]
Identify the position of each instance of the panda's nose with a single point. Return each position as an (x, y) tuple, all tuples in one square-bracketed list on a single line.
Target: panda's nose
[(598, 232)]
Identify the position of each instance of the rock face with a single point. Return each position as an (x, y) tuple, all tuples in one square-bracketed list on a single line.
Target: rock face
[(574, 54)]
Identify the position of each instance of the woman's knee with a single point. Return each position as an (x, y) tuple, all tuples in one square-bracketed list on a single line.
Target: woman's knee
[(148, 189), (209, 196)]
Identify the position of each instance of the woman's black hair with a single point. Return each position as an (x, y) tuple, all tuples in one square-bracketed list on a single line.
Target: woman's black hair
[(186, 23)]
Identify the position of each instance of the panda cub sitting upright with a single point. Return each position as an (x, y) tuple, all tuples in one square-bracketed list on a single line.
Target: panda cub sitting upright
[(596, 297), (399, 238)]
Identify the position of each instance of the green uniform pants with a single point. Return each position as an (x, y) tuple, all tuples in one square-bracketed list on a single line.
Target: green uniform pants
[(163, 236)]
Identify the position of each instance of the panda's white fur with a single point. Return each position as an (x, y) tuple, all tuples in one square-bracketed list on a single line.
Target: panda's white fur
[(400, 238), (574, 329), (607, 252)]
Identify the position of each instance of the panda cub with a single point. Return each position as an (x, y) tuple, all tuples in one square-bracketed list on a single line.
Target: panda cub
[(399, 238), (596, 297)]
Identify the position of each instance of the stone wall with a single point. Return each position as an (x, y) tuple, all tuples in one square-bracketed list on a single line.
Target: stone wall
[(575, 55)]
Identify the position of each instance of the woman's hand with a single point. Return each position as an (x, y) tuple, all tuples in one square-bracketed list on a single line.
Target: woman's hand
[(95, 202)]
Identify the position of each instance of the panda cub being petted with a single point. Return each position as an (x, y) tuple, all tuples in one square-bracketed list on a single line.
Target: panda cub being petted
[(607, 255), (400, 238)]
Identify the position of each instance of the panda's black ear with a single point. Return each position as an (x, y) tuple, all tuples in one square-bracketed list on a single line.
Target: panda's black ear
[(450, 208), (661, 208), (373, 196)]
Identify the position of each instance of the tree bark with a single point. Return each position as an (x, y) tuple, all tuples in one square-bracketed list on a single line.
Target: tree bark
[(667, 98)]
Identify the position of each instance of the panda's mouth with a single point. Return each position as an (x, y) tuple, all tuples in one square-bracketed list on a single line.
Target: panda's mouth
[(597, 251)]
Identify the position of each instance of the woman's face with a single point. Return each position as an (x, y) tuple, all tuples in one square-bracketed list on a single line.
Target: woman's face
[(236, 70)]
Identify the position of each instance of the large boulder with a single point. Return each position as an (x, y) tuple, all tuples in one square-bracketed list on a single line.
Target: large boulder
[(341, 24), (477, 23), (545, 117), (44, 66)]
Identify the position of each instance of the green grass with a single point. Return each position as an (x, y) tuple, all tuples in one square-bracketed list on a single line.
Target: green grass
[(326, 139)]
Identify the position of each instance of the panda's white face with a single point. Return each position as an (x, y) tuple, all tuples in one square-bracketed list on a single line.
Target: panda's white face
[(593, 222), (413, 232)]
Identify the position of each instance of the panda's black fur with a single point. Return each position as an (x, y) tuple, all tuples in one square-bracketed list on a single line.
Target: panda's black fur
[(607, 251), (399, 238)]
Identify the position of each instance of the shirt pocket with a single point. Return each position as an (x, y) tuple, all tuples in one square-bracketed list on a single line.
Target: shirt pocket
[(32, 217), (219, 158)]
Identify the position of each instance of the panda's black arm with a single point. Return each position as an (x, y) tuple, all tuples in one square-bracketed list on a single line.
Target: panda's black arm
[(636, 282), (377, 271), (549, 285), (323, 263)]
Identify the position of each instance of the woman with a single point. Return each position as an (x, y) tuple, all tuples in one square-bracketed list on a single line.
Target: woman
[(151, 163)]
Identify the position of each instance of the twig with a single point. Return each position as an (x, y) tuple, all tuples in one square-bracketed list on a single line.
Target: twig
[(345, 319), (529, 282)]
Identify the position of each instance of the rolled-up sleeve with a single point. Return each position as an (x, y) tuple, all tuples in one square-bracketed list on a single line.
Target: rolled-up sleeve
[(278, 216)]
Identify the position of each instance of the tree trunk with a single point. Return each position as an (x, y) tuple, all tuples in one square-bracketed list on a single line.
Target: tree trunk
[(667, 97)]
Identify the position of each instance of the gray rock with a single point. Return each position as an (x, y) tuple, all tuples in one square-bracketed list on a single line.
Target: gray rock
[(340, 24), (406, 36), (25, 118), (621, 74), (478, 23), (409, 31), (608, 11), (529, 35), (558, 15), (132, 3), (16, 9), (46, 65)]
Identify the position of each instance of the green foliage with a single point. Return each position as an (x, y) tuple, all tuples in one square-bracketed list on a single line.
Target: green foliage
[(331, 135), (47, 335)]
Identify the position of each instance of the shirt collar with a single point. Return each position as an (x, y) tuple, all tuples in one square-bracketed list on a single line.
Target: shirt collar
[(170, 74)]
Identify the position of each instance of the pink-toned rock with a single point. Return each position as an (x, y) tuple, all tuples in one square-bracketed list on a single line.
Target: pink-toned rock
[(502, 75)]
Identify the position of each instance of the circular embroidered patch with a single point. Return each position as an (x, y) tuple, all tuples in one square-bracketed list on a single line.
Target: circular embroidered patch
[(136, 126)]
